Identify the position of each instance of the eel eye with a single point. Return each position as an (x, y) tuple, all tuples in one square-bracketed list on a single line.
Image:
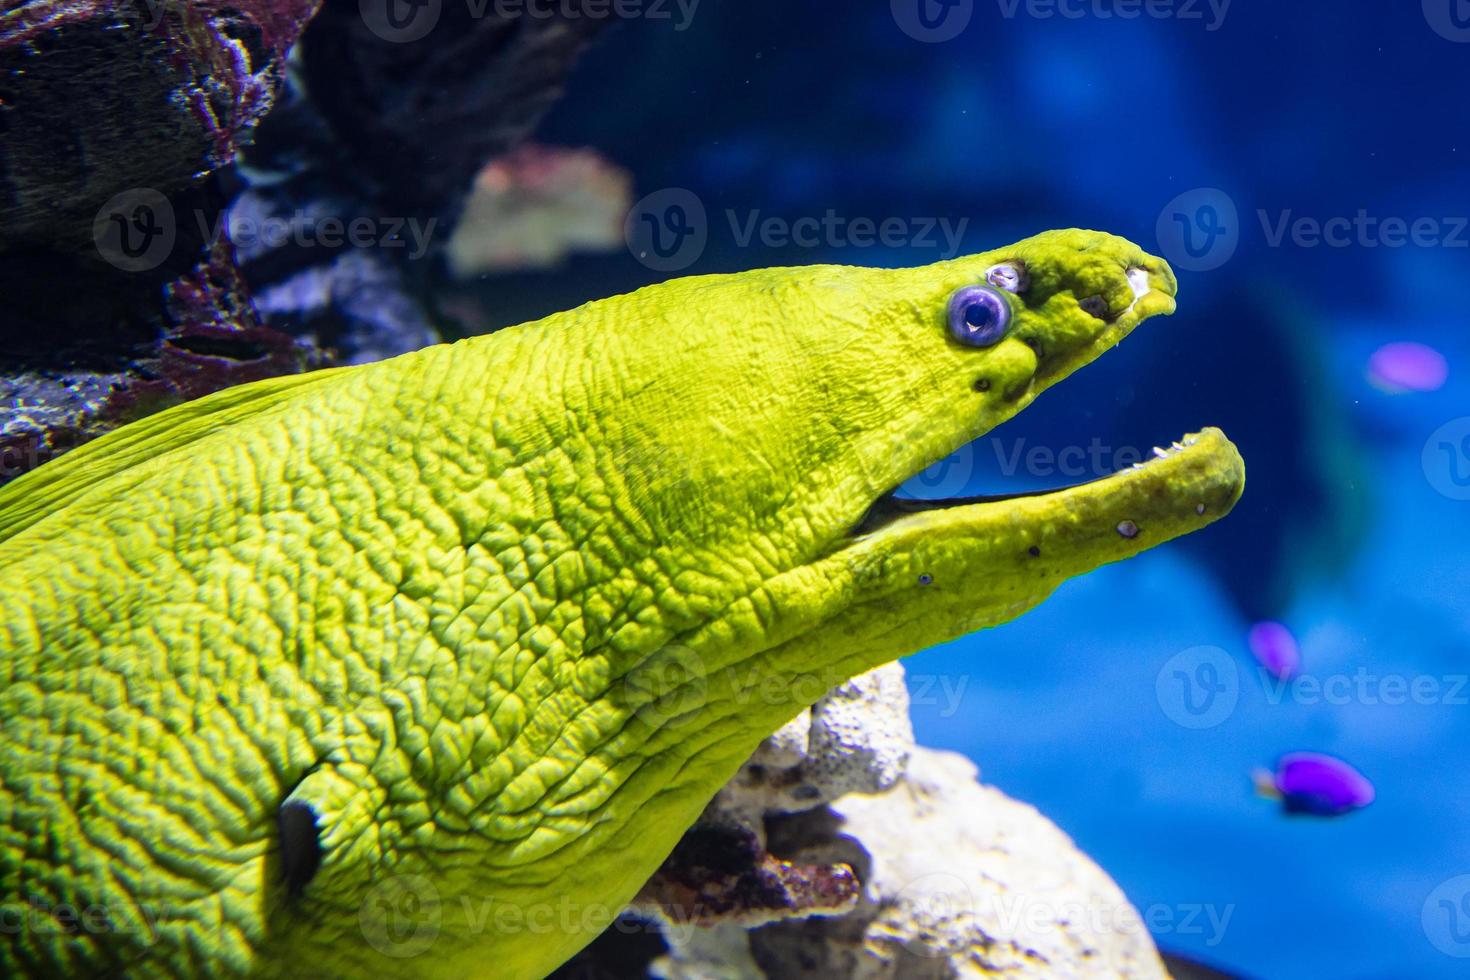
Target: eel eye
[(1011, 278), (978, 316)]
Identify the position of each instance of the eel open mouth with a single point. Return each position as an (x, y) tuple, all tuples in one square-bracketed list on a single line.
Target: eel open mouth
[(1194, 470)]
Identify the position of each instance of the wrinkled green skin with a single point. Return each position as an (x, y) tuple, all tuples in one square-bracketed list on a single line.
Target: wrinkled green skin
[(496, 611)]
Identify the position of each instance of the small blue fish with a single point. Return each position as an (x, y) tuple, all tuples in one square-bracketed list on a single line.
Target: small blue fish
[(1275, 649), (1312, 784)]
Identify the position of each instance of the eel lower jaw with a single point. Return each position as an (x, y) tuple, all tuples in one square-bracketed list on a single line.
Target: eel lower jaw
[(1189, 485)]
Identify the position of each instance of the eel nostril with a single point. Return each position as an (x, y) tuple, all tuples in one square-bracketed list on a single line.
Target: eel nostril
[(1094, 306)]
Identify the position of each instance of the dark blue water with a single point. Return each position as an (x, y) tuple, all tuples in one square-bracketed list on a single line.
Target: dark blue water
[(1306, 166)]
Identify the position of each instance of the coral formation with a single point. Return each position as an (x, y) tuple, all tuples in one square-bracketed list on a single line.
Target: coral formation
[(532, 206)]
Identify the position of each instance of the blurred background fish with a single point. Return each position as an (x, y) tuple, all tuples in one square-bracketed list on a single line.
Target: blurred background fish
[(1309, 783)]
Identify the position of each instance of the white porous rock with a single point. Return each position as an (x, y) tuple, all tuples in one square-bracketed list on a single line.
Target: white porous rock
[(719, 952), (855, 739), (959, 881)]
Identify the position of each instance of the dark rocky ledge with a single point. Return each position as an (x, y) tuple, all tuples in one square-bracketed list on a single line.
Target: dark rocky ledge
[(125, 183)]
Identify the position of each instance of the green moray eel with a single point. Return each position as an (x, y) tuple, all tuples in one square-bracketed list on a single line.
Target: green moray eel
[(422, 667)]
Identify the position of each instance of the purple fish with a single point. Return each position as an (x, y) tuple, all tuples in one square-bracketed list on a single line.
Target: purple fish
[(1314, 784), (1276, 649), (1404, 367)]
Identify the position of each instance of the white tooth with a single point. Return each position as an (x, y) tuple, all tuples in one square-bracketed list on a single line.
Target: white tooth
[(1178, 448), (1160, 453)]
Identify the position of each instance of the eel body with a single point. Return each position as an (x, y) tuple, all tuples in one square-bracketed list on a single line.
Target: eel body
[(420, 668)]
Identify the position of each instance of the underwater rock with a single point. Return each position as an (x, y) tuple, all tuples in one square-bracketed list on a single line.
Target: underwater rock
[(98, 97), (855, 739), (958, 881), (721, 881), (950, 878), (721, 875), (141, 264), (122, 296), (90, 349)]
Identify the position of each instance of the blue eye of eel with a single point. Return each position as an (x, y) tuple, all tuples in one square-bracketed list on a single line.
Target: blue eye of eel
[(978, 316)]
